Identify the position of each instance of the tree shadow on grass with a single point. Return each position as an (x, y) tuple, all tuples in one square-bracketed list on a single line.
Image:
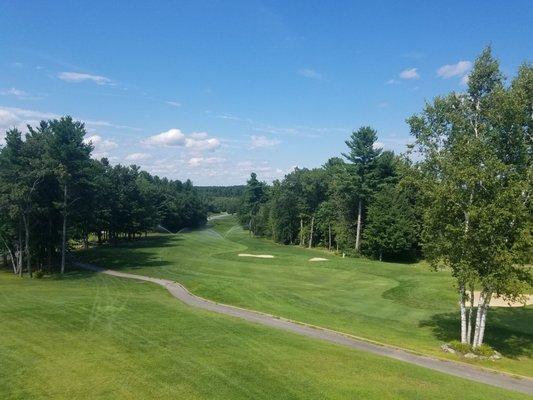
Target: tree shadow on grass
[(509, 330), (137, 254)]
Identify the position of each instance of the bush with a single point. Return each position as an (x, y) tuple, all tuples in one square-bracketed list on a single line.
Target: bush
[(38, 274), (462, 348), (484, 350)]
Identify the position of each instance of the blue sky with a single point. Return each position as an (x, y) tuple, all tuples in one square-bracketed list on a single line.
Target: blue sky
[(212, 90)]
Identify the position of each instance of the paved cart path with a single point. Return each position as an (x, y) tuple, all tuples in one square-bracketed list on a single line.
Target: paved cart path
[(462, 370)]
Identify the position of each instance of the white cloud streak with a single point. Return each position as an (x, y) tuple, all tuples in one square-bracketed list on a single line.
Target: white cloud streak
[(77, 77), (451, 70), (262, 142), (410, 73), (310, 73)]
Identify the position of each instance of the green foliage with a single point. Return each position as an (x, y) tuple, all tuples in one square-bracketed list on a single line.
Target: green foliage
[(476, 178), (462, 348), (48, 175), (391, 229), (484, 350)]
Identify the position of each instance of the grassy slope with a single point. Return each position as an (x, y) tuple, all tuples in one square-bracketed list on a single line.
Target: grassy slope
[(405, 305), (97, 337)]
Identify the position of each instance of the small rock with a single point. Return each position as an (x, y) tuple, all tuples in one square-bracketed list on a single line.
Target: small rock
[(496, 356), (470, 355), (446, 347)]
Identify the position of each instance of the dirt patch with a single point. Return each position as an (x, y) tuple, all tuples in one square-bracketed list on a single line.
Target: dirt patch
[(499, 302), (318, 259), (256, 255)]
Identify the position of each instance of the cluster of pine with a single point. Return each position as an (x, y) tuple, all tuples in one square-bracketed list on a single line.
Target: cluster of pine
[(360, 204), (53, 194)]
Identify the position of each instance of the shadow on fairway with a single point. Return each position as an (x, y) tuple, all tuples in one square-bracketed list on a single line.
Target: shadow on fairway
[(130, 254), (507, 330)]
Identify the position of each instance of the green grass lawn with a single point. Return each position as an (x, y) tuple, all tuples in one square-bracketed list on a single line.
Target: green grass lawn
[(400, 304), (90, 336)]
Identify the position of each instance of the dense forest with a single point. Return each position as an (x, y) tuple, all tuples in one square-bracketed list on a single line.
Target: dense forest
[(362, 203), (221, 198), (53, 194), (460, 197)]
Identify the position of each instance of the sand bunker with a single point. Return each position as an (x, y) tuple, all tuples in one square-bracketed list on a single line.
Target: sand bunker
[(318, 259), (499, 302), (256, 255)]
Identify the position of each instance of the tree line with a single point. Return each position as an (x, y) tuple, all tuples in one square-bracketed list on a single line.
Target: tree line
[(53, 193), (460, 196), (358, 204), (221, 198)]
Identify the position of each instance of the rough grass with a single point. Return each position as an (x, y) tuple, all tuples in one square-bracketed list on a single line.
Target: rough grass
[(98, 337), (401, 304)]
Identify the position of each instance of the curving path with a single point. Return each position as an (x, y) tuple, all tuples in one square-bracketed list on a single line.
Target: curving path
[(462, 370)]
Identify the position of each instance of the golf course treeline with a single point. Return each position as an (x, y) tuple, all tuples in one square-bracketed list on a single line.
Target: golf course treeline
[(51, 191), (461, 195)]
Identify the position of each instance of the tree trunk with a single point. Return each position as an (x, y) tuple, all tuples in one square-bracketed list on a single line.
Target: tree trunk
[(20, 249), (64, 233), (311, 233), (483, 308), (469, 317), (478, 317), (359, 221), (27, 243), (11, 257), (380, 255), (462, 302), (301, 231), (329, 237)]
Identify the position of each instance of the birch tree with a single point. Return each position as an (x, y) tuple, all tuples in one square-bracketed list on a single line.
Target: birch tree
[(476, 177)]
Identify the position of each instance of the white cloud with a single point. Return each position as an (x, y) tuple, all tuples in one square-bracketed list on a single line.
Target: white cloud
[(77, 77), (377, 145), (202, 144), (465, 79), (383, 104), (173, 103), (138, 156), (172, 137), (410, 73), (198, 141), (101, 146), (19, 94), (201, 161), (310, 73), (263, 141), (12, 117), (451, 70), (393, 82)]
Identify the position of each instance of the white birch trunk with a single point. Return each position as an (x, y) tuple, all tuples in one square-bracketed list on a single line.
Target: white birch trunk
[(484, 312), (469, 321), (478, 317), (462, 302), (301, 231), (311, 233), (359, 220)]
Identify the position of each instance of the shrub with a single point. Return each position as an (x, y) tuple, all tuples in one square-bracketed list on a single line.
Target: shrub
[(462, 348), (38, 274), (484, 350)]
